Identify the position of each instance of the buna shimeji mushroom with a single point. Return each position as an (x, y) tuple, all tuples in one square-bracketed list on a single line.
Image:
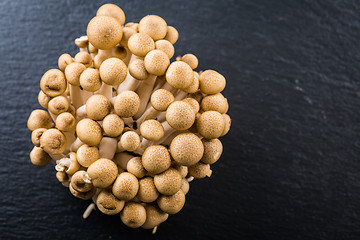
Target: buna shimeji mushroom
[(125, 126)]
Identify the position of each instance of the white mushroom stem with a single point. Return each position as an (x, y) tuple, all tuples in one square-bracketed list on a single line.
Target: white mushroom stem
[(168, 87), (56, 157), (128, 57), (75, 145), (107, 147), (145, 143), (150, 113), (168, 130), (81, 113), (166, 140), (128, 121), (62, 165), (70, 138), (161, 117), (144, 91), (119, 147), (86, 95), (53, 116), (180, 95), (88, 210), (129, 83), (82, 39), (189, 179), (105, 90), (122, 159), (75, 96)]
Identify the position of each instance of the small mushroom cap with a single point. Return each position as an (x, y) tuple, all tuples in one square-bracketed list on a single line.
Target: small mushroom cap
[(135, 167), (98, 60), (179, 75), (156, 159), (64, 60), (130, 141), (216, 102), (137, 69), (43, 99), (133, 215), (107, 203), (172, 204), (65, 122), (186, 149), (147, 190), (73, 72), (113, 71), (89, 132), (92, 49), (154, 26), (212, 151), (180, 115), (62, 177), (39, 119), (35, 136), (87, 155), (161, 99), (211, 82), (53, 83), (166, 47), (80, 182), (97, 107), (140, 44), (82, 195), (74, 164), (58, 105), (81, 42), (39, 157), (200, 170), (127, 33), (191, 60), (227, 121), (194, 86), (133, 25), (183, 170), (210, 124), (112, 10), (152, 130), (53, 141), (84, 58), (104, 32), (185, 186), (168, 182), (127, 104), (113, 125), (102, 172), (193, 103), (90, 80), (156, 62), (154, 216), (172, 34), (125, 186)]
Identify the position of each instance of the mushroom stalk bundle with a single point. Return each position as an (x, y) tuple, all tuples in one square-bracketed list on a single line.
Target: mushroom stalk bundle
[(126, 127)]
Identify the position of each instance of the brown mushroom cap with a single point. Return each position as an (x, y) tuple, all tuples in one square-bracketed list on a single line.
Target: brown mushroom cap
[(194, 86), (212, 151), (92, 49), (168, 182), (119, 52), (200, 170), (80, 182), (137, 69), (179, 75), (43, 99), (227, 121), (210, 124), (216, 102), (113, 125), (39, 157), (64, 60), (180, 115), (186, 149), (193, 103), (84, 58), (65, 122), (127, 33), (35, 136), (172, 34), (97, 107), (73, 72), (191, 60), (102, 172), (58, 105), (166, 47), (82, 195), (107, 203), (156, 62), (62, 177), (90, 80), (127, 104), (156, 159), (185, 186), (113, 71), (53, 141), (98, 60), (211, 82), (112, 10), (125, 186), (154, 26), (104, 32), (140, 44), (39, 119), (86, 155), (154, 216), (152, 130), (89, 132), (161, 99), (130, 141), (172, 204), (147, 190), (53, 83), (133, 215), (135, 167)]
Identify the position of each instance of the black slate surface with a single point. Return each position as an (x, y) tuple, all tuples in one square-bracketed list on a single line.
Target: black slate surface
[(290, 167)]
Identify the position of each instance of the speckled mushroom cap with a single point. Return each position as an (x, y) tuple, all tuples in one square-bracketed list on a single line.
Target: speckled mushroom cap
[(90, 80), (212, 150), (135, 167), (127, 33), (186, 149), (119, 52), (171, 204), (113, 71), (137, 69), (130, 141), (127, 104), (104, 32), (200, 170), (58, 105), (179, 75), (194, 86), (82, 195), (80, 181), (43, 99), (191, 60), (89, 132), (113, 125), (216, 102), (39, 119), (112, 10), (161, 99), (125, 186), (180, 115), (64, 60), (156, 159), (99, 59), (86, 155), (210, 124), (65, 122), (73, 72), (133, 215), (53, 83), (166, 47), (97, 107), (154, 216), (102, 172), (156, 62), (152, 130), (172, 35), (53, 141), (147, 191), (211, 82), (107, 203), (185, 186), (154, 26), (35, 136), (193, 103), (140, 44), (39, 157), (84, 58), (168, 182), (227, 121)]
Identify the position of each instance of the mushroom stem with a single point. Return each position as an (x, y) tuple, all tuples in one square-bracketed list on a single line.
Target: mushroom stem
[(168, 87), (105, 90), (75, 96), (129, 83), (62, 164), (75, 145), (150, 113), (180, 95), (128, 56), (81, 112), (52, 115), (82, 42), (86, 95), (56, 157), (128, 121), (88, 210), (161, 117), (70, 138), (189, 179), (107, 147), (144, 91)]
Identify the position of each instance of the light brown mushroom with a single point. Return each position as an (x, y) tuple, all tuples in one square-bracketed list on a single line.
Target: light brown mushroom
[(166, 47), (113, 125), (194, 86), (130, 141), (127, 104), (191, 60), (107, 203), (156, 159), (227, 121), (84, 58), (183, 170), (102, 172), (86, 155), (133, 215), (58, 105), (39, 157), (62, 177), (89, 132), (127, 33), (161, 99), (53, 141), (119, 52), (65, 122), (43, 99), (156, 62), (152, 130), (212, 150), (82, 195), (210, 124), (179, 75), (216, 102), (185, 186), (147, 191), (186, 149), (35, 136), (64, 60), (140, 44), (135, 167), (154, 26), (53, 83), (172, 35), (73, 72), (125, 186), (80, 182), (168, 182), (154, 216), (113, 71), (39, 119), (97, 107), (211, 82), (172, 204), (193, 103), (200, 170), (137, 69), (112, 10), (180, 115), (90, 80)]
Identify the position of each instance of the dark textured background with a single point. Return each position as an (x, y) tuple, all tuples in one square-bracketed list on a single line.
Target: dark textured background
[(291, 164)]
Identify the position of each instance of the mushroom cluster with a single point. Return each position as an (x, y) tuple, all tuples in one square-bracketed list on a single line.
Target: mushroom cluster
[(126, 127)]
